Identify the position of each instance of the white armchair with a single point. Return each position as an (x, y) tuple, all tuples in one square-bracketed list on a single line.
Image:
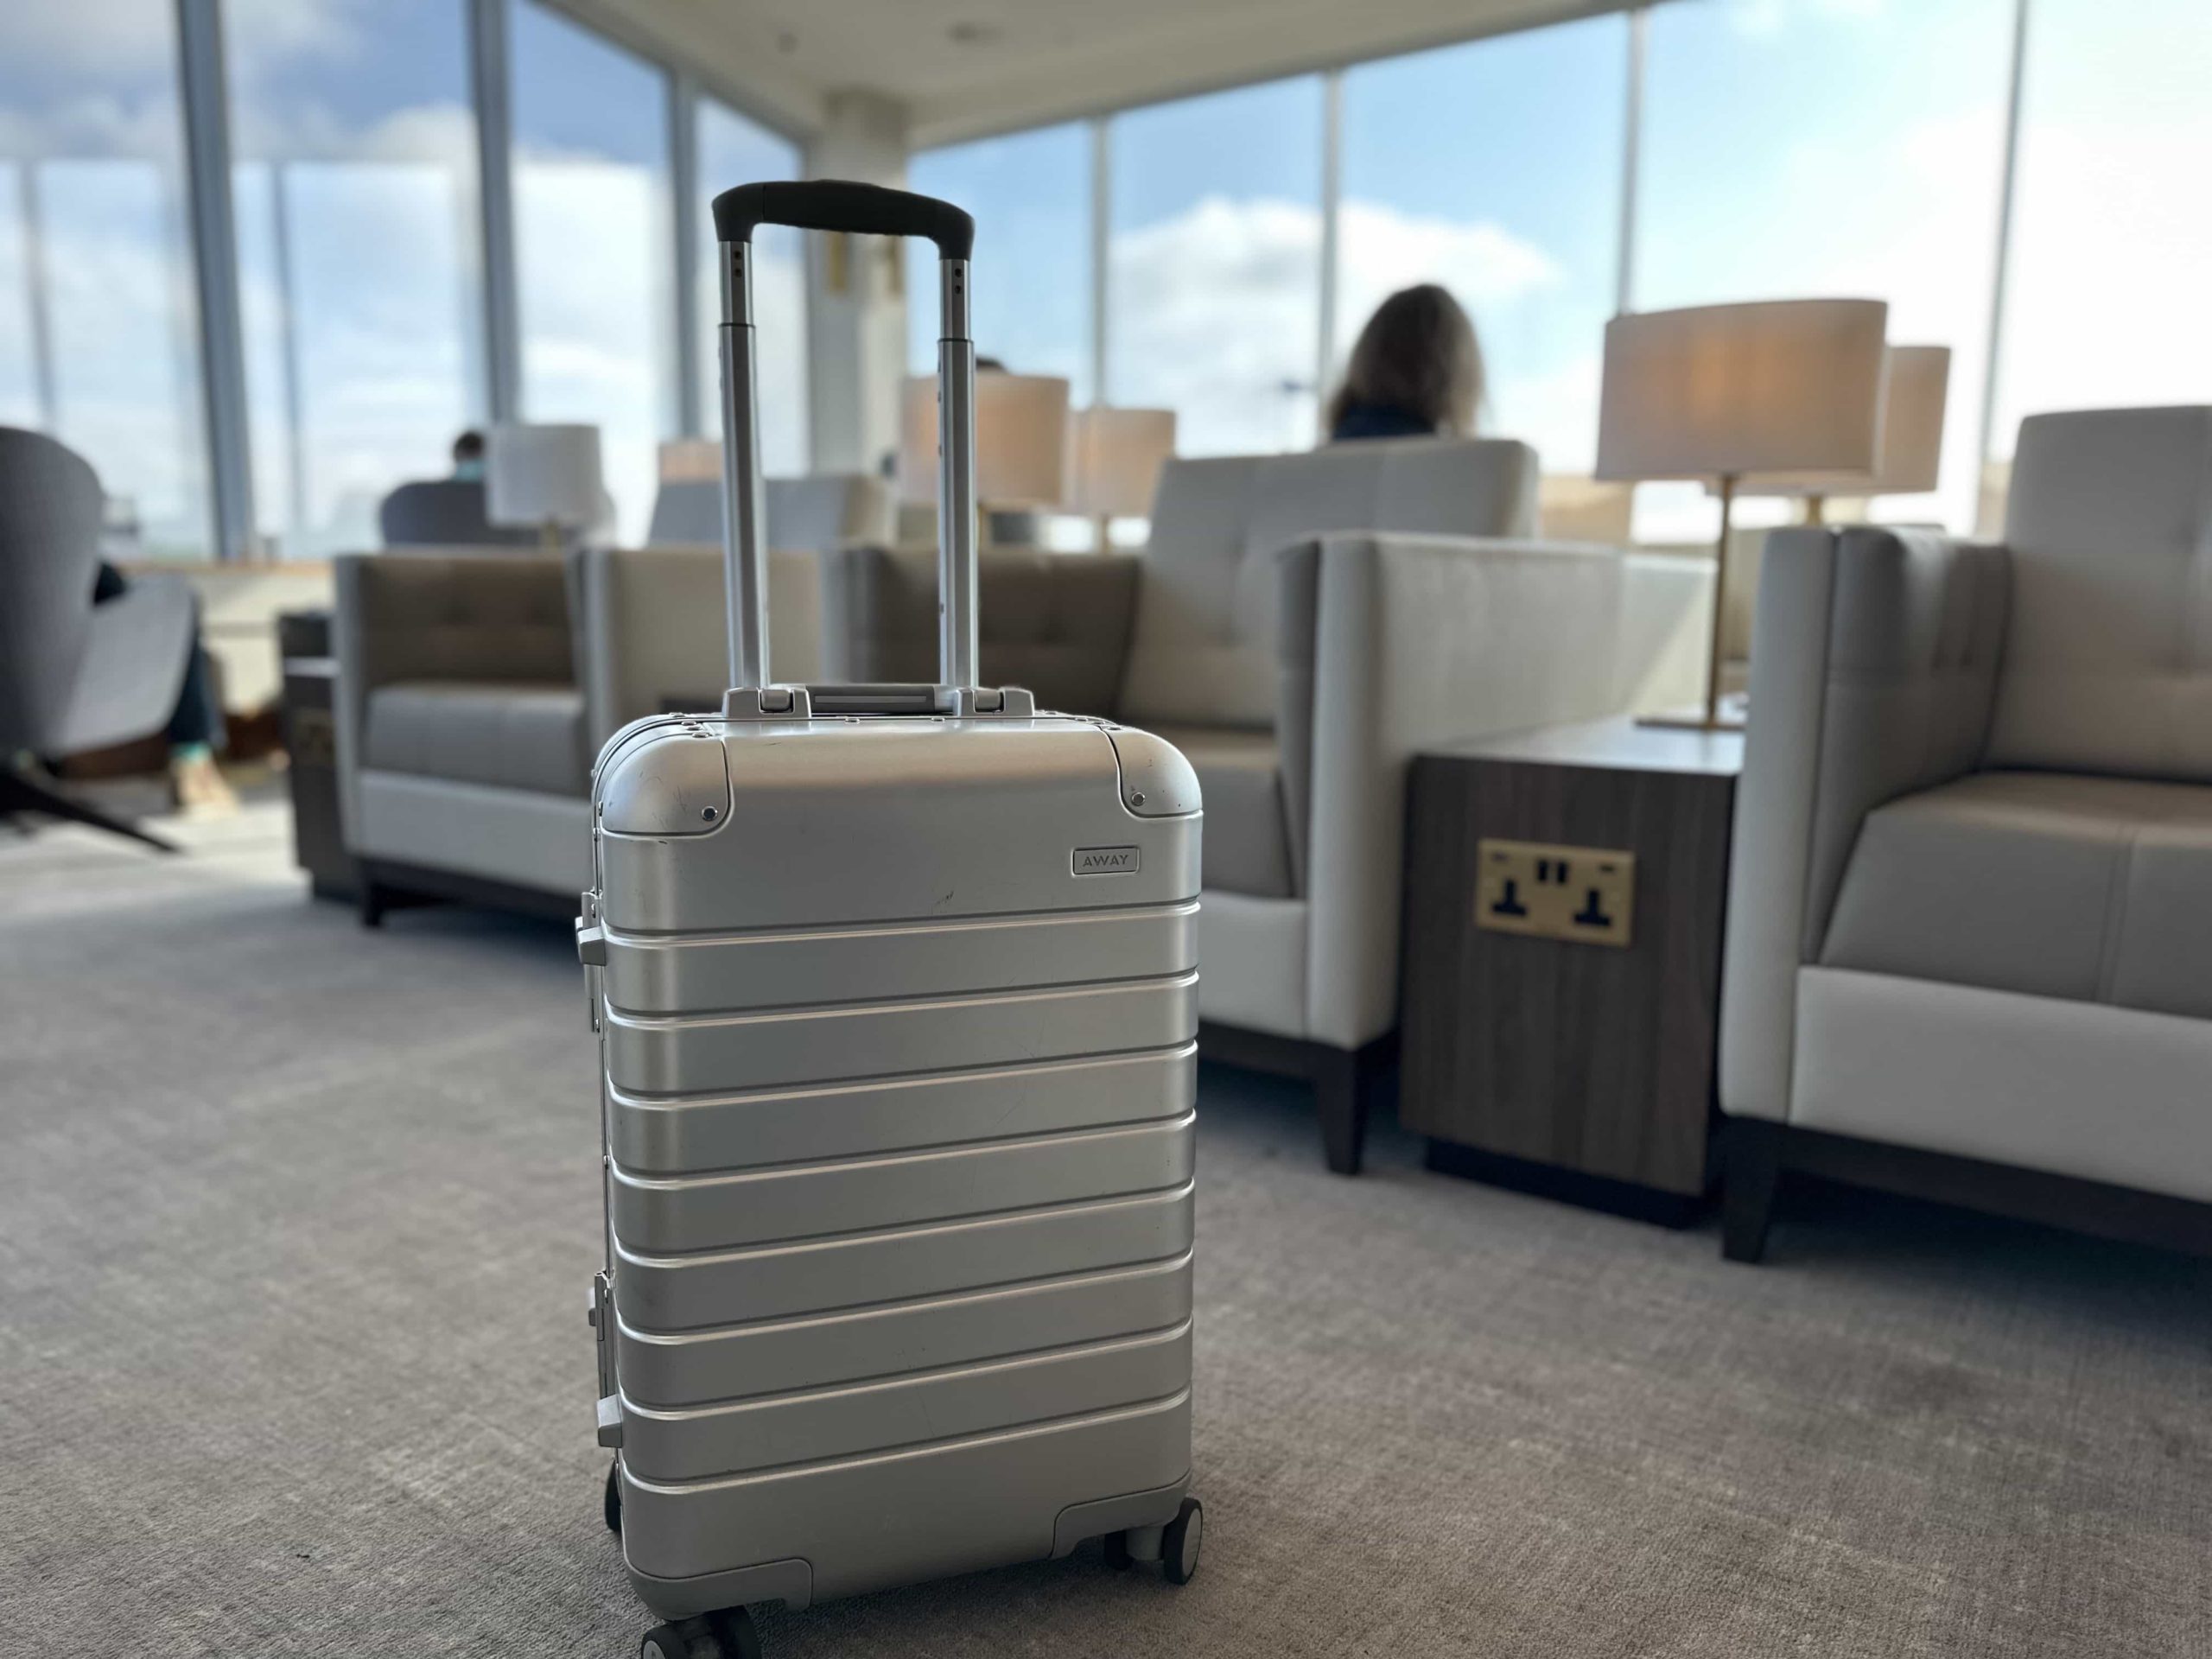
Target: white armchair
[(1969, 946), (1305, 623)]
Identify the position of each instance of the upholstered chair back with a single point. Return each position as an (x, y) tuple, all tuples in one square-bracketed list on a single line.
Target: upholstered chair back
[(806, 515), (49, 550), (1204, 647), (446, 512), (2108, 659)]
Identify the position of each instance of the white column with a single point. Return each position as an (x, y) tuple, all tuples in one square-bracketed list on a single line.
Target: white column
[(856, 303)]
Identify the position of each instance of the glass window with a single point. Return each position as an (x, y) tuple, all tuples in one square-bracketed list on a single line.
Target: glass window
[(733, 151), (354, 191), (1802, 149), (1214, 284), (2112, 222), (594, 242), (1031, 195), (1494, 168), (98, 341)]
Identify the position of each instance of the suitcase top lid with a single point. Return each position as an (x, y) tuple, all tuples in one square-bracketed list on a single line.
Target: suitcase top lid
[(733, 823)]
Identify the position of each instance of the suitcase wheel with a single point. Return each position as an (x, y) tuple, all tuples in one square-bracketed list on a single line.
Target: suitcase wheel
[(614, 1501), (1178, 1546), (728, 1634)]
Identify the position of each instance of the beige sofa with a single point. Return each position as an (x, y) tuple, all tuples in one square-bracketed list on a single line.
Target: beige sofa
[(1969, 946), (475, 690)]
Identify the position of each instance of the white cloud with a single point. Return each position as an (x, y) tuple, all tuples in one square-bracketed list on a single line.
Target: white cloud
[(1381, 250), (1764, 19), (2112, 257), (1216, 309), (1214, 315), (107, 38)]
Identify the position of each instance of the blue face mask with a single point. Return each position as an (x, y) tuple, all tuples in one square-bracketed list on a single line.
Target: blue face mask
[(469, 472)]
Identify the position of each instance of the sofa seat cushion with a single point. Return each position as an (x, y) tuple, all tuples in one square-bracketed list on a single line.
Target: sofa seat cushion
[(2093, 889), (513, 734), (1246, 844)]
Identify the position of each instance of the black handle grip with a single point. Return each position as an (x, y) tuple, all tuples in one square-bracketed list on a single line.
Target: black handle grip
[(842, 204)]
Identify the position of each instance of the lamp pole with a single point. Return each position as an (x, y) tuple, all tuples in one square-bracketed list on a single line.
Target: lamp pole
[(1720, 601)]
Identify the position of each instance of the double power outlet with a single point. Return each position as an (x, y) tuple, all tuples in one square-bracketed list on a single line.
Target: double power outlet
[(1583, 893)]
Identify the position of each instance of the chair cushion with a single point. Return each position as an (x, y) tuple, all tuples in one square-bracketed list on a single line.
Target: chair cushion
[(512, 734), (2093, 889), (1247, 847)]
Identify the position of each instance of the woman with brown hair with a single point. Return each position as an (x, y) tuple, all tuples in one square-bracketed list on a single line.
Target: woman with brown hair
[(1417, 371)]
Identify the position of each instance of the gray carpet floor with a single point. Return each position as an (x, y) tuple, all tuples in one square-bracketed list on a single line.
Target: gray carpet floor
[(296, 1224)]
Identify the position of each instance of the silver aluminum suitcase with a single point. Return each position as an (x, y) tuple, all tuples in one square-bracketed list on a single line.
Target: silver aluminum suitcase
[(896, 989)]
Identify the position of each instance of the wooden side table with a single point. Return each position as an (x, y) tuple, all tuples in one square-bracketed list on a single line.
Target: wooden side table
[(1576, 1067), (311, 741)]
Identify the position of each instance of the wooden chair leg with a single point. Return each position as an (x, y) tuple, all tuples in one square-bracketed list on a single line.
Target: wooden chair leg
[(1750, 1176), (1345, 1082)]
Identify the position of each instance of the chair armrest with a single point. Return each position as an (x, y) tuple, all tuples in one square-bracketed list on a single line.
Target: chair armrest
[(1874, 663), (1391, 643), (656, 629), (132, 668), (1055, 623)]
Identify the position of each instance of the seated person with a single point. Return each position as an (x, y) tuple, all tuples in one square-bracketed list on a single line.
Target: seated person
[(1416, 372), (448, 511), (196, 730)]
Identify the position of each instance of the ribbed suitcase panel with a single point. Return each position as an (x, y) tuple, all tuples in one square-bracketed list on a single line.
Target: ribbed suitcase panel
[(677, 1293), (899, 1076), (887, 1412), (666, 1214), (667, 1055), (667, 1135), (928, 1512), (691, 973), (780, 1355)]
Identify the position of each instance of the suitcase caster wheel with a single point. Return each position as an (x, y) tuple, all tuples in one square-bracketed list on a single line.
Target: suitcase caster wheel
[(728, 1634), (1178, 1546), (1117, 1551)]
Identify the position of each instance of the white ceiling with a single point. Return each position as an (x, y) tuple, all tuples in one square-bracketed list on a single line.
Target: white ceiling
[(964, 67)]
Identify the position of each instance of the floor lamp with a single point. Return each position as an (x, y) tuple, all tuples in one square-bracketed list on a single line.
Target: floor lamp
[(1913, 405), (1114, 463), (1021, 449), (547, 475), (1718, 393)]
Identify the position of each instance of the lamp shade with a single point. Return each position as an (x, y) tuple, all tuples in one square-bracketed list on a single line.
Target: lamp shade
[(1022, 440), (1117, 455), (690, 460), (542, 474), (1911, 458), (1722, 391)]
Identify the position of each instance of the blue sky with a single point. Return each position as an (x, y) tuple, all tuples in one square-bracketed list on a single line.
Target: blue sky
[(1789, 147)]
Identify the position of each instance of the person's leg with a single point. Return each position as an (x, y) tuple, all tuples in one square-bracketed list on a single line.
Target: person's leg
[(197, 735), (195, 732)]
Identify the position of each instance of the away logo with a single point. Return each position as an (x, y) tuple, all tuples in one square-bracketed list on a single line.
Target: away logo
[(1104, 860)]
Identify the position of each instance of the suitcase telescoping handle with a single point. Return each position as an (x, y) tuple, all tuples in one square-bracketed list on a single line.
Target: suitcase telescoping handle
[(868, 209)]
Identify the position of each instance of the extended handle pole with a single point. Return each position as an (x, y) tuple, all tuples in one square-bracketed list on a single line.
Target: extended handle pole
[(745, 586), (864, 209), (955, 488)]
